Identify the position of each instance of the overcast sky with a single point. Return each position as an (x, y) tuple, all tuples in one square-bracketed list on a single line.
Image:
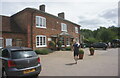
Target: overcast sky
[(90, 14)]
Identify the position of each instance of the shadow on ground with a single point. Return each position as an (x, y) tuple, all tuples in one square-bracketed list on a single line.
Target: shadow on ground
[(70, 64)]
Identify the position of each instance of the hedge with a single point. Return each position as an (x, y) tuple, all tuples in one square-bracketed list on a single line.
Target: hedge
[(68, 48), (43, 51)]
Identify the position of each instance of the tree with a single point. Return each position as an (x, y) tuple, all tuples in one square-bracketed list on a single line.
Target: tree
[(92, 40), (87, 33), (105, 36), (102, 34)]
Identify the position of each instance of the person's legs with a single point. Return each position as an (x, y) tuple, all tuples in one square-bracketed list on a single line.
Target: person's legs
[(76, 58)]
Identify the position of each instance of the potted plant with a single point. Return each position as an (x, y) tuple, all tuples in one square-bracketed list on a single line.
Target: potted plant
[(81, 54), (59, 43), (52, 45), (91, 49)]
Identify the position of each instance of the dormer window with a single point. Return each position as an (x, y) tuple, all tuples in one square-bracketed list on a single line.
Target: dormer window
[(76, 29), (40, 22), (63, 27)]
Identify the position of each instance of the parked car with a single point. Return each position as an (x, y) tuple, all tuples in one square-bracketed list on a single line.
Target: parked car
[(115, 43), (19, 61), (99, 45), (84, 45)]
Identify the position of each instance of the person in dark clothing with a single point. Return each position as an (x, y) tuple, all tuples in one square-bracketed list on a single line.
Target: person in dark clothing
[(76, 46)]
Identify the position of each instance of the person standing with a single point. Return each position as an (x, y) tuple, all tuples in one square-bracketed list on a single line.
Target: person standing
[(76, 47), (109, 45)]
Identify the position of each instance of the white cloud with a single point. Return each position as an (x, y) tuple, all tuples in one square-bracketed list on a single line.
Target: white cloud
[(106, 18), (88, 13), (110, 14), (59, 0)]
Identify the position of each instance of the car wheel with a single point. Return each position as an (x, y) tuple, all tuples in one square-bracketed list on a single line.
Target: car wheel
[(4, 75)]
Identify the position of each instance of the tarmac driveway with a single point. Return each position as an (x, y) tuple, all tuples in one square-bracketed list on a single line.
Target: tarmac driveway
[(61, 63)]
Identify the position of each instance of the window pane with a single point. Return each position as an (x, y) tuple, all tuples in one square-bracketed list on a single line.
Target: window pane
[(76, 29), (23, 54), (1, 42), (37, 21), (41, 41), (5, 53), (68, 42), (44, 41), (37, 41), (1, 52), (63, 27), (41, 22), (62, 39), (44, 22), (8, 42)]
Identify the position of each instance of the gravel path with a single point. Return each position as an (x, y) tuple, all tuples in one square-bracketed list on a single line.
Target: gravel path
[(61, 63)]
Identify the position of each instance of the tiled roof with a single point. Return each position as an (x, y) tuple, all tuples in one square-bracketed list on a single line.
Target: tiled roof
[(53, 15), (39, 11)]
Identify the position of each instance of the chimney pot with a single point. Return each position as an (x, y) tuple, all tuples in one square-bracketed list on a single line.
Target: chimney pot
[(61, 15), (42, 8)]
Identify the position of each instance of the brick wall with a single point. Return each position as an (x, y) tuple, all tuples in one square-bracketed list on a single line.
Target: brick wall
[(25, 20), (53, 27), (14, 37)]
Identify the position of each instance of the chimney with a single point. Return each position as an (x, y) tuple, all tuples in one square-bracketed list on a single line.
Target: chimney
[(42, 8), (61, 15)]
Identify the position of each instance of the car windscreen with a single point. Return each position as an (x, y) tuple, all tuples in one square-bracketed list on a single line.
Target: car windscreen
[(23, 54)]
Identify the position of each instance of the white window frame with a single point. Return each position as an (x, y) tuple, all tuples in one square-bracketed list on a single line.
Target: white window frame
[(39, 44), (40, 22), (8, 41), (63, 41), (67, 41), (76, 29), (63, 27), (1, 39)]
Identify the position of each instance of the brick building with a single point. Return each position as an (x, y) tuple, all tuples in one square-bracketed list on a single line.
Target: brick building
[(36, 28)]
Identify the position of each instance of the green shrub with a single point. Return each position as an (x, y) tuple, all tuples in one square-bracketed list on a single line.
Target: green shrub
[(52, 43), (81, 51), (59, 43), (68, 48), (91, 49), (43, 51)]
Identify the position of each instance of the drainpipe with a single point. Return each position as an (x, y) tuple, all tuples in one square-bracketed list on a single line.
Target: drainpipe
[(32, 17)]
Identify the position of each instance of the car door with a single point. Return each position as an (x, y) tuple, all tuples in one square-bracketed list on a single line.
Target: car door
[(5, 58)]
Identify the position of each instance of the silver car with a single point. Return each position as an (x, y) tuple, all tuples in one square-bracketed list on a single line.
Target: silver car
[(19, 61)]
